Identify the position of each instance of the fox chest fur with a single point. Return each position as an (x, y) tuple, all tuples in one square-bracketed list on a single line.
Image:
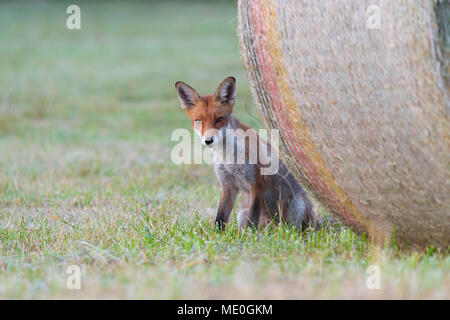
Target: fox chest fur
[(230, 172), (240, 176)]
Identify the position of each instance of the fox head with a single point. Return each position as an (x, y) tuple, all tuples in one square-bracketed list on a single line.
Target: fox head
[(210, 114)]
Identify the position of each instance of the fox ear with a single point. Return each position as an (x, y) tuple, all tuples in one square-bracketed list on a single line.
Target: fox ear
[(226, 92), (188, 96)]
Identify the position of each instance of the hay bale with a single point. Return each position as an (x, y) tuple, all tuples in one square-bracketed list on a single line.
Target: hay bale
[(362, 112)]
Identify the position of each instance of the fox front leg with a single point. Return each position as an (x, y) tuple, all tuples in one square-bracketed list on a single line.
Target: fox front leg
[(257, 201), (227, 201)]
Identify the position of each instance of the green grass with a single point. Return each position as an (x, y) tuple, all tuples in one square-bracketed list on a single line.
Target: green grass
[(86, 177)]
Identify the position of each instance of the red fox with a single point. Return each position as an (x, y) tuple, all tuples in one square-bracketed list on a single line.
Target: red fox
[(266, 198)]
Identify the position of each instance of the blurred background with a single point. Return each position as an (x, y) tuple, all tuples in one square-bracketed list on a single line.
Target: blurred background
[(114, 78), (89, 105)]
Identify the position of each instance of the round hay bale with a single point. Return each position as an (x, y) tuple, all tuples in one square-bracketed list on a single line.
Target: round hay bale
[(362, 108)]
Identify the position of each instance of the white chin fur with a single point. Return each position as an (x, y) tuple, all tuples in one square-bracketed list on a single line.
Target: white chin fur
[(214, 143), (216, 139)]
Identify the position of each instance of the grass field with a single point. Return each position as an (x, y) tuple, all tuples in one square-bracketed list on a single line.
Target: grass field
[(86, 178)]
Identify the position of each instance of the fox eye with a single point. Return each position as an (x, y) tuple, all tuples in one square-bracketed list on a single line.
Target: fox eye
[(198, 121), (219, 119)]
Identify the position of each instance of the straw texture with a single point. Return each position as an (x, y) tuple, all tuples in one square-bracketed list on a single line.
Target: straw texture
[(363, 113)]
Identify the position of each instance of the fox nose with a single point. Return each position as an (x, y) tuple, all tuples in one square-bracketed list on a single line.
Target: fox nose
[(209, 140)]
